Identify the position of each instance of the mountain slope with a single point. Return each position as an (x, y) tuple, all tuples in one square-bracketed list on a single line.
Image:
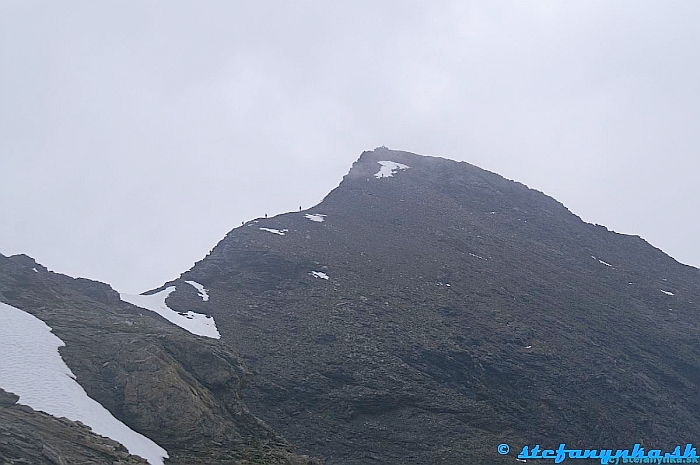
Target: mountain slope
[(438, 310)]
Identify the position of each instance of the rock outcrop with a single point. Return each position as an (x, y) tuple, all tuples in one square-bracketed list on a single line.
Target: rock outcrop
[(31, 437)]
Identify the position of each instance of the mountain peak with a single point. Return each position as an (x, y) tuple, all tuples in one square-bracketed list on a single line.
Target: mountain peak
[(369, 160), (438, 293), (425, 311)]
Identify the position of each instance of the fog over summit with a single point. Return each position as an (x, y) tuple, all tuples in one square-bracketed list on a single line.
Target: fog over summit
[(135, 135)]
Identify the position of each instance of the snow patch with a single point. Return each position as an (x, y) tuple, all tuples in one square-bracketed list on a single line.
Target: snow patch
[(33, 369), (667, 292), (317, 217), (275, 231), (202, 292), (389, 168), (195, 323), (319, 274)]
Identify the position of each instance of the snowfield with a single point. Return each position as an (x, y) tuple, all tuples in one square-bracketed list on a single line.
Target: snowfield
[(200, 289), (319, 274), (317, 217), (33, 369), (389, 168), (275, 231), (195, 323)]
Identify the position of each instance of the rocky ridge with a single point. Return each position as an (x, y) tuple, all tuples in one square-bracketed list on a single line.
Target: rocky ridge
[(180, 390)]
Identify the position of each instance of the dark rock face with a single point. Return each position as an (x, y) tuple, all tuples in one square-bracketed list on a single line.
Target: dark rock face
[(180, 390), (462, 311)]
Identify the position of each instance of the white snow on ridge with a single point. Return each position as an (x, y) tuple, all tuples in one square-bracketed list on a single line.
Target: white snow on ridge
[(389, 168), (667, 292), (195, 323), (602, 262), (275, 231), (33, 369), (319, 274), (202, 292), (317, 217)]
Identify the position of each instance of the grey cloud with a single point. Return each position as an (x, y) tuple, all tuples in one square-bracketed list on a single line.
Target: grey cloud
[(134, 135)]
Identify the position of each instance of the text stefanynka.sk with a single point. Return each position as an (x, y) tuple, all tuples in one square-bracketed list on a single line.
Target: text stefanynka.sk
[(606, 456)]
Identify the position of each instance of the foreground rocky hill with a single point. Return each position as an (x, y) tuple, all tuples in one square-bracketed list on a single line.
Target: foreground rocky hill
[(179, 390), (427, 311)]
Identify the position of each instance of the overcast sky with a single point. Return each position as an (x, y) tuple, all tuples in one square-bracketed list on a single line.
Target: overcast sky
[(135, 134)]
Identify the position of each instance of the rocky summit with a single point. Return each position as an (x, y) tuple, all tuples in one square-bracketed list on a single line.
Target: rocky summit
[(424, 312)]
